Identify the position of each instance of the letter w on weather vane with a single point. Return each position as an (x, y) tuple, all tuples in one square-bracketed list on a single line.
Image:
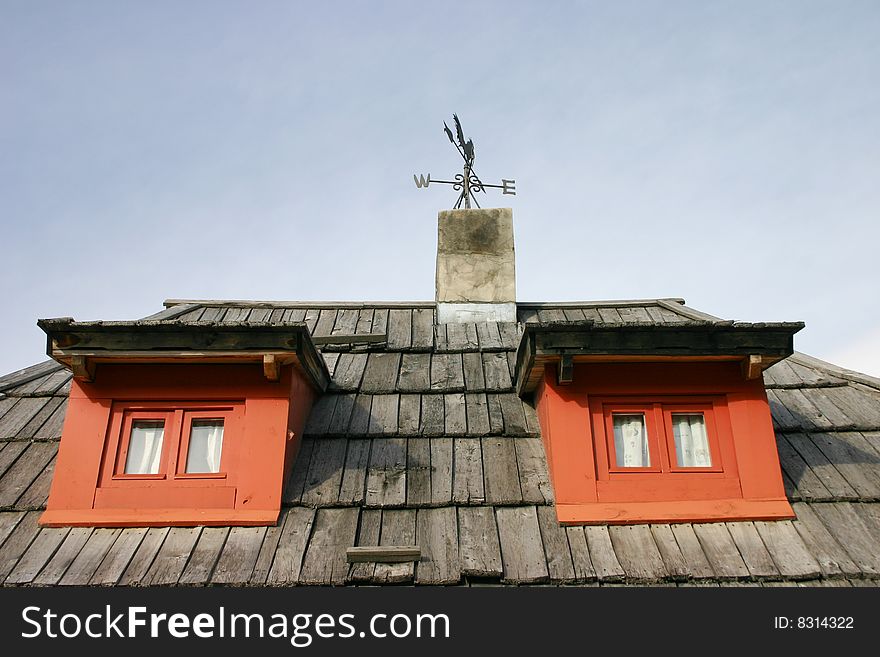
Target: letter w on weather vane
[(467, 182)]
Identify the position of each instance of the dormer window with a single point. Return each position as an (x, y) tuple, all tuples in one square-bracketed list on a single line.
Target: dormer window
[(654, 423), (180, 424)]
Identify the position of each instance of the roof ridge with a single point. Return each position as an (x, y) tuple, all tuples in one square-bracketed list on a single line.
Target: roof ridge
[(836, 370)]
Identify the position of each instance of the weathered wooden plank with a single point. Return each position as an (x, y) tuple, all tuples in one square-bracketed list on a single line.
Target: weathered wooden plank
[(400, 329), (292, 542), (239, 555), (418, 473), (441, 470), (275, 317), (854, 459), (602, 555), (467, 482), (385, 554), (830, 555), (118, 556), (415, 372), (341, 418), (580, 551), (804, 411), (18, 541), (500, 471), (477, 410), (346, 322), (440, 343), (380, 321), (296, 484), (782, 417), (806, 482), (172, 557), (437, 536), (10, 453), (534, 479), (205, 555), (422, 328), (447, 373), (8, 521), (461, 337), (369, 529), (752, 549), (29, 430), (496, 370), (489, 336), (511, 332), (673, 560), (324, 562), (496, 418), (364, 322), (522, 550), (383, 415), (51, 429), (59, 563), (24, 471), (398, 528), (792, 557), (511, 365), (360, 415), (556, 548), (381, 372), (86, 562), (478, 542), (326, 320), (514, 416), (637, 552), (349, 371), (835, 417), (139, 565), (266, 556), (386, 475), (295, 315), (409, 415), (433, 421), (456, 414), (859, 404), (318, 422), (830, 477), (473, 372), (37, 555), (850, 530), (721, 551), (52, 384), (24, 410), (354, 474)]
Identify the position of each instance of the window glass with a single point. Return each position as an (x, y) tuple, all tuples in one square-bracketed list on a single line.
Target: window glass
[(145, 447), (205, 446), (691, 441), (631, 440)]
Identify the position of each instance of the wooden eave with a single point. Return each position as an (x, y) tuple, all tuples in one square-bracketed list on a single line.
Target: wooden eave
[(80, 346), (757, 346)]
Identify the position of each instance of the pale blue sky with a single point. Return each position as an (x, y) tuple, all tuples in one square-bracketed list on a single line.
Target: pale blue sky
[(724, 152)]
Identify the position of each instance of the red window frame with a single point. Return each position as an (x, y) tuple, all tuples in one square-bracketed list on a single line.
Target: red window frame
[(664, 478), (177, 418)]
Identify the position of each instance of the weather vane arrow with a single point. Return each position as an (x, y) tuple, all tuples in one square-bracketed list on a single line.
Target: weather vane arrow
[(467, 182)]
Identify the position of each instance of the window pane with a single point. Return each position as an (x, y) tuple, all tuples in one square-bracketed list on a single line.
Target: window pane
[(145, 447), (631, 441), (205, 446), (691, 441)]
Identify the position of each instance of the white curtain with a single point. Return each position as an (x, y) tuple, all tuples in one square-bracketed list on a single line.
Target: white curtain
[(631, 441), (691, 441), (144, 447), (205, 446)]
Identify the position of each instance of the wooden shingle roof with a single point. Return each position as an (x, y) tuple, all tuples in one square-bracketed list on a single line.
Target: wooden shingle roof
[(421, 440)]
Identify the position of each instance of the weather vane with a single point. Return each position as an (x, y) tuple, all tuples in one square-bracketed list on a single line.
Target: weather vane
[(468, 183)]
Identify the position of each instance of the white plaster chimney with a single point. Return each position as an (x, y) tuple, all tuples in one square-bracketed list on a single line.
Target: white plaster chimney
[(476, 277)]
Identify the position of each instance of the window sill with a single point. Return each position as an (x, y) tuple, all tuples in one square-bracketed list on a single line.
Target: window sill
[(629, 513), (161, 517)]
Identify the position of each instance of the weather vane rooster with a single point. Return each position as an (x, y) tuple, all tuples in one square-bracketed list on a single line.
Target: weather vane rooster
[(467, 182)]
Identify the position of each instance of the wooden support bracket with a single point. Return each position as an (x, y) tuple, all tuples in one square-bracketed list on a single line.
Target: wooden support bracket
[(271, 367), (83, 368), (383, 553), (753, 366), (566, 370)]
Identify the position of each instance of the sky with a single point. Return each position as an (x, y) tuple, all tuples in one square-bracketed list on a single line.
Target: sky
[(723, 152)]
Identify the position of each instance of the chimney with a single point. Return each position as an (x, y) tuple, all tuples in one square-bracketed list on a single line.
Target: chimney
[(476, 279)]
